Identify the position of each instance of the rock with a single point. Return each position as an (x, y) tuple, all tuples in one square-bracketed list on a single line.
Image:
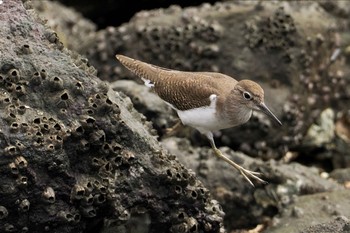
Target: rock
[(321, 134), (338, 225), (341, 175), (274, 46), (75, 155), (301, 217), (295, 50), (74, 31), (247, 205), (148, 103)]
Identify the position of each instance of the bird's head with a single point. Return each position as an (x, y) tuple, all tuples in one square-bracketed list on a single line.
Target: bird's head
[(251, 95)]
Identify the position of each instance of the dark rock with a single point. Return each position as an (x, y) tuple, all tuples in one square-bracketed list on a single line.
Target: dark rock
[(295, 50), (247, 205), (149, 104), (75, 155), (341, 175), (298, 62)]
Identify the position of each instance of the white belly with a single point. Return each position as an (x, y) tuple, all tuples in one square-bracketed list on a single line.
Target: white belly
[(205, 118)]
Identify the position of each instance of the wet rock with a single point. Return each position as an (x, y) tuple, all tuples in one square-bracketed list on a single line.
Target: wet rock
[(75, 155)]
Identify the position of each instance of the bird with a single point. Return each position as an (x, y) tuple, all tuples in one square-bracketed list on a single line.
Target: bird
[(206, 101)]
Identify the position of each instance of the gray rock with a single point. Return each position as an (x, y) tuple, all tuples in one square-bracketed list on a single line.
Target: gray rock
[(75, 155), (315, 213), (321, 134), (247, 205), (74, 31), (148, 103)]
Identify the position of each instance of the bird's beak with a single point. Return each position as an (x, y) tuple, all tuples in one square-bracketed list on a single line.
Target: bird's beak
[(262, 107)]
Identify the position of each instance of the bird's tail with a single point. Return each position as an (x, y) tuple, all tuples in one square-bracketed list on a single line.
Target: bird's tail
[(142, 69)]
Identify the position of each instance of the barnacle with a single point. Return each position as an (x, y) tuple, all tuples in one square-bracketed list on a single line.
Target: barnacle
[(14, 127), (13, 168), (68, 216), (13, 75), (3, 212), (55, 84), (88, 200), (63, 100), (21, 162), (22, 181), (26, 49), (49, 195), (97, 137), (78, 192), (24, 205), (36, 79)]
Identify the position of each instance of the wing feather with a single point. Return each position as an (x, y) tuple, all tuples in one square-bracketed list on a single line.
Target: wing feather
[(183, 90)]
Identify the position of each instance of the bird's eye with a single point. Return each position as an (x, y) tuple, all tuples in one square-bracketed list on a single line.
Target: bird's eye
[(247, 95)]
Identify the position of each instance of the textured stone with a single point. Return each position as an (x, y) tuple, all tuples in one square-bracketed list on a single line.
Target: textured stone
[(268, 42), (331, 209), (75, 155), (247, 205), (73, 29)]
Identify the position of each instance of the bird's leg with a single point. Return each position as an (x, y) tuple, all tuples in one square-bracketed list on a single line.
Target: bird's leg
[(245, 173), (171, 131)]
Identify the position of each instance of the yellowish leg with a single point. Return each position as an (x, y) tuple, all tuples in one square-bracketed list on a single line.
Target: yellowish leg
[(245, 173), (171, 131)]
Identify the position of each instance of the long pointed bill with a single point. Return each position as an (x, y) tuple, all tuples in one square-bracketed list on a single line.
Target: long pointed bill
[(267, 111)]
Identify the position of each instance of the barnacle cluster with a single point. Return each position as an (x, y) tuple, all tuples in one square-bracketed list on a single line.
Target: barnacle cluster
[(320, 83), (67, 23), (189, 44), (72, 151), (193, 42), (276, 32)]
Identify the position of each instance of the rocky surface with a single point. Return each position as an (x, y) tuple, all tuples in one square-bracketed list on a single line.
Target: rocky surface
[(331, 209), (67, 23), (149, 104), (116, 12), (338, 225), (299, 62), (298, 51), (247, 205), (75, 155)]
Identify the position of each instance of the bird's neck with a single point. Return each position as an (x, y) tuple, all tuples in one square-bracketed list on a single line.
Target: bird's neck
[(236, 113)]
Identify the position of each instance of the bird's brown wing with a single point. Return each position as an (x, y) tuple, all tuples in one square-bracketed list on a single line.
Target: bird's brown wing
[(183, 90)]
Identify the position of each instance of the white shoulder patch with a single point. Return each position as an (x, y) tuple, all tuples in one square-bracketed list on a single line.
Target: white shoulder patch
[(212, 99), (148, 82)]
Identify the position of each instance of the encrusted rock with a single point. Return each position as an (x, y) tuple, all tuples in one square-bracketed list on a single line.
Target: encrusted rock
[(74, 153)]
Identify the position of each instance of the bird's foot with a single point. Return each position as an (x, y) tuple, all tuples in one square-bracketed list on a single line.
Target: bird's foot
[(173, 130), (247, 174), (254, 175)]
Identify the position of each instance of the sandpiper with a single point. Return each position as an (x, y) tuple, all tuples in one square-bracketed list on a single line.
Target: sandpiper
[(206, 101)]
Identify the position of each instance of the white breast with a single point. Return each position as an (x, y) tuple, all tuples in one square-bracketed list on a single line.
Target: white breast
[(204, 119)]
